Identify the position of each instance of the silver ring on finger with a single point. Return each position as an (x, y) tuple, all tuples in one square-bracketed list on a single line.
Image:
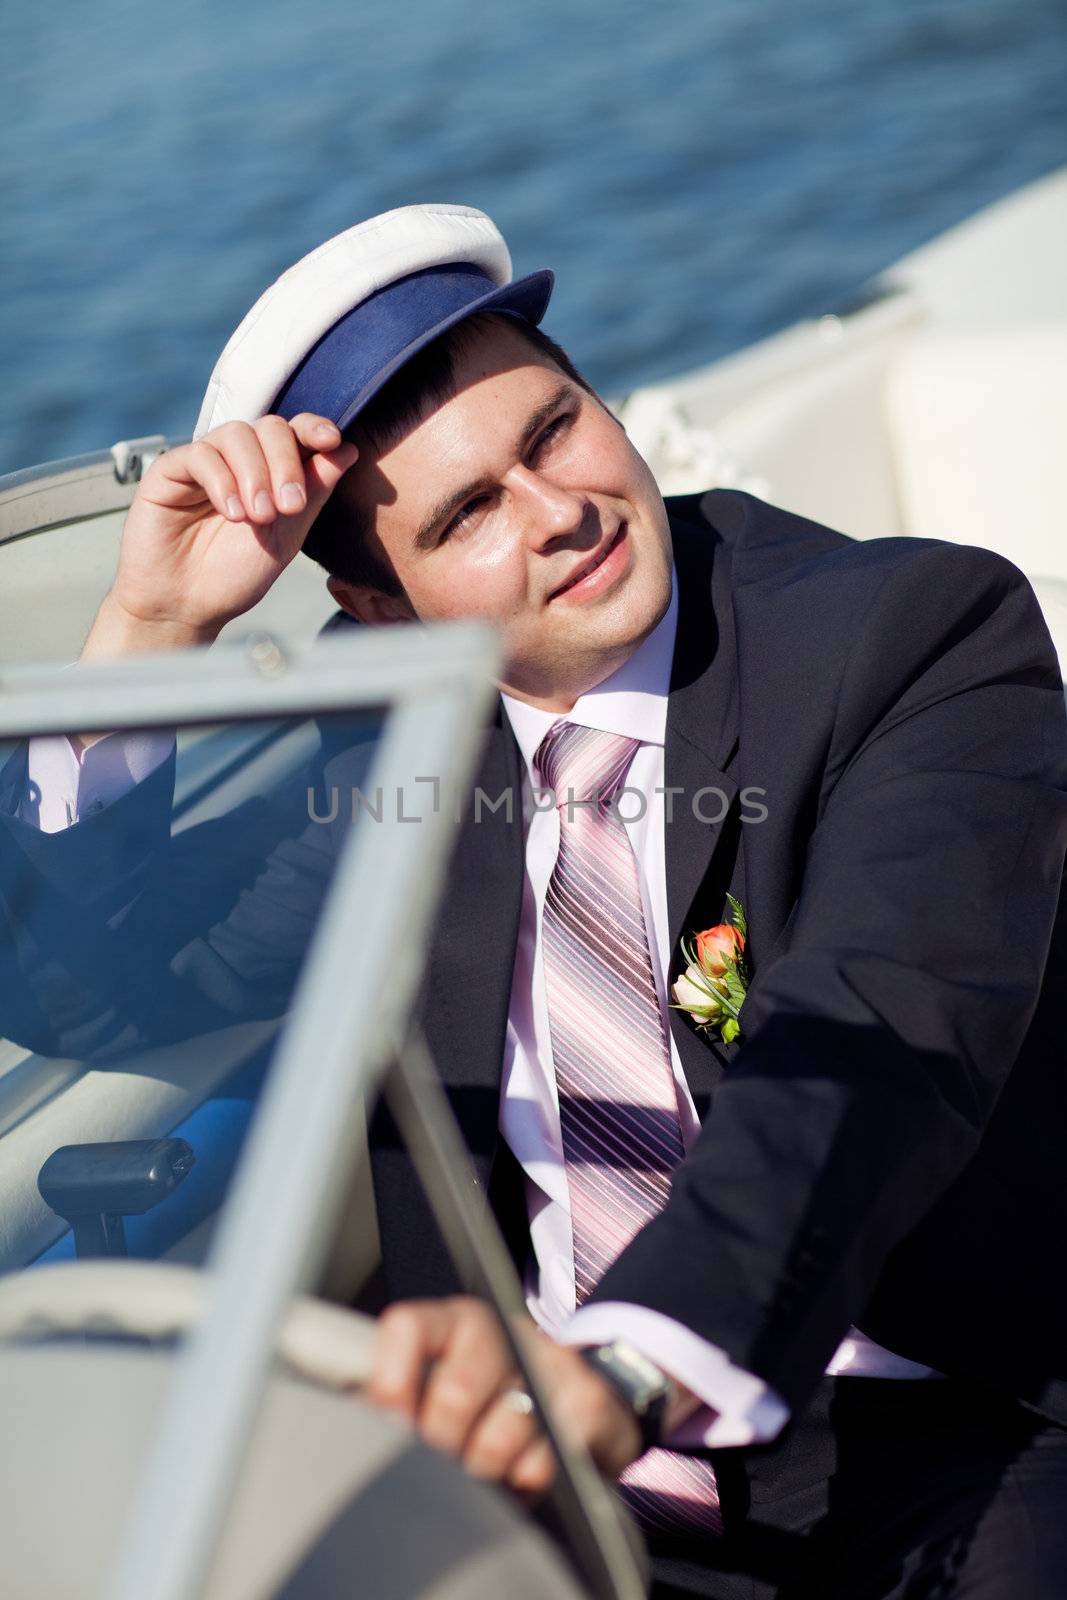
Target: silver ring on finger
[(519, 1401)]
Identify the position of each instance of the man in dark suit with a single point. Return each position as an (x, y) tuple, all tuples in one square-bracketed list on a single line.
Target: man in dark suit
[(847, 1290), (855, 1166)]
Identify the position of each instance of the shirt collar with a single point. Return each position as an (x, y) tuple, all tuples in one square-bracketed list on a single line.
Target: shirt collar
[(632, 701)]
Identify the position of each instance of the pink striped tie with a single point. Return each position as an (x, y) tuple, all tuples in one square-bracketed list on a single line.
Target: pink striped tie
[(617, 1102)]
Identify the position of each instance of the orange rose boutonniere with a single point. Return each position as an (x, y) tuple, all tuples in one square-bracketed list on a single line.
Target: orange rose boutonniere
[(715, 981)]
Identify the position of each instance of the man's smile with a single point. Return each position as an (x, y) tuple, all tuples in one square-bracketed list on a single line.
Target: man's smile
[(598, 570)]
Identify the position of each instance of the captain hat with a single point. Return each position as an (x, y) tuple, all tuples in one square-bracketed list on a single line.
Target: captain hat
[(332, 330)]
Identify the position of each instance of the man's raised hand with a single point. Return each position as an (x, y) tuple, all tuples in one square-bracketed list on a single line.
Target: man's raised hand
[(212, 525)]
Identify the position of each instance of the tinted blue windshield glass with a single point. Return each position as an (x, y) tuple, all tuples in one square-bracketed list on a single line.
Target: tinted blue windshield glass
[(149, 952)]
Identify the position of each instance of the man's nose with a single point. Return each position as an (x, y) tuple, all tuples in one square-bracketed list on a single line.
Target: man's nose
[(550, 510)]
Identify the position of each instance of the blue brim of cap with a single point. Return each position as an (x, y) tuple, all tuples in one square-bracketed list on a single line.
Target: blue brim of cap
[(357, 356)]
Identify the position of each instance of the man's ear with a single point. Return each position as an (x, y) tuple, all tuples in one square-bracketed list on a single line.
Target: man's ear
[(369, 605)]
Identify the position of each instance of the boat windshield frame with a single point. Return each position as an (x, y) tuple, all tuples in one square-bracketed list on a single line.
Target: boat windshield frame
[(349, 1013)]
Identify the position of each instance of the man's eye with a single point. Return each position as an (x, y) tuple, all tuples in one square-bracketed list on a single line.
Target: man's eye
[(550, 433), (462, 516)]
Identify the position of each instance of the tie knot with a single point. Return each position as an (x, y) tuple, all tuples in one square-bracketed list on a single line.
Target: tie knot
[(583, 764)]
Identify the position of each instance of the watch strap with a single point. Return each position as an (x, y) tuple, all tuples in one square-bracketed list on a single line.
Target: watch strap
[(638, 1382)]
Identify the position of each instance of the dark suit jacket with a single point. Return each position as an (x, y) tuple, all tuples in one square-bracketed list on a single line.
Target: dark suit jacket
[(861, 1160), (883, 1145)]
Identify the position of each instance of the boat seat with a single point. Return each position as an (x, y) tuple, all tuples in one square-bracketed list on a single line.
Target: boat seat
[(773, 442), (978, 430), (956, 436)]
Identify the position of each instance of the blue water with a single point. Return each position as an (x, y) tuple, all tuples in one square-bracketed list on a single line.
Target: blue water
[(698, 172)]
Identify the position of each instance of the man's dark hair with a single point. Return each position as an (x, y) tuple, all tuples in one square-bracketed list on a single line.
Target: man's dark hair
[(336, 540)]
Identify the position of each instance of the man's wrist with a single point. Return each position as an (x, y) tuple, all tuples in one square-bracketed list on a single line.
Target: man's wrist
[(118, 632), (650, 1394)]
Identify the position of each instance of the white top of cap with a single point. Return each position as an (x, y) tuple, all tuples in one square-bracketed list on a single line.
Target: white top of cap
[(292, 315)]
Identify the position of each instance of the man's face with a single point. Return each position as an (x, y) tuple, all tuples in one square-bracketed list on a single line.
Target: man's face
[(522, 501)]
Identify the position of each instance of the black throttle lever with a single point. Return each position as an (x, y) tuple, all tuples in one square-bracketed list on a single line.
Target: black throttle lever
[(94, 1186)]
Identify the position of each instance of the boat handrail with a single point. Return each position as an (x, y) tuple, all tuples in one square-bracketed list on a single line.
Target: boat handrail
[(75, 488)]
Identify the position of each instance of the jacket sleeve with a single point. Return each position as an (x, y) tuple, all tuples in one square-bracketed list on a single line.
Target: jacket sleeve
[(122, 936), (879, 1033)]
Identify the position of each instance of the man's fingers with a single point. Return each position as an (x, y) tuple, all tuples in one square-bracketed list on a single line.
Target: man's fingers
[(444, 1364), (469, 1373), (458, 1391), (315, 434), (257, 472), (408, 1336), (239, 446), (282, 455), (532, 1472), (327, 455), (207, 468), (501, 1437)]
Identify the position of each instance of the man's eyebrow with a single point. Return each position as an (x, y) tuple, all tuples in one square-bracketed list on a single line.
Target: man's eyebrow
[(449, 504)]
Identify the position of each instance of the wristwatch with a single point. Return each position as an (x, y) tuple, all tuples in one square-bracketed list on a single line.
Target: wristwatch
[(637, 1381)]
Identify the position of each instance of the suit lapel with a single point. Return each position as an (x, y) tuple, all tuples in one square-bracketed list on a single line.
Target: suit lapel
[(703, 827), (469, 967)]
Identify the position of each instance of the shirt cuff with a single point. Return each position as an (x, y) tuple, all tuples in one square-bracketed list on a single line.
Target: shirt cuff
[(52, 774), (63, 788), (739, 1408)]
